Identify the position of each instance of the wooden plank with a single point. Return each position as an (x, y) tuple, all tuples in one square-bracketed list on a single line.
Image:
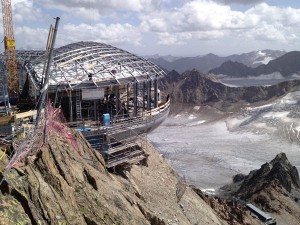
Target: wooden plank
[(25, 114), (5, 120)]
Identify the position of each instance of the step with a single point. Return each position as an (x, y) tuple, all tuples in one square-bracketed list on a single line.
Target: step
[(131, 158), (121, 147)]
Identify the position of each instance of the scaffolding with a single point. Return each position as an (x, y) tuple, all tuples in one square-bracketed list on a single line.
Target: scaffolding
[(122, 143)]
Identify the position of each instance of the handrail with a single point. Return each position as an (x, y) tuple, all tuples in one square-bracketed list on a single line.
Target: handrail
[(122, 122)]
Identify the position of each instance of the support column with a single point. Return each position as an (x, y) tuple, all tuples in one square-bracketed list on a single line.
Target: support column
[(149, 95), (56, 98), (128, 96), (155, 93), (71, 106), (144, 96), (95, 110), (117, 99), (135, 98)]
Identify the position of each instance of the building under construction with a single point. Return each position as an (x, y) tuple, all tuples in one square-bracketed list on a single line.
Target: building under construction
[(108, 94)]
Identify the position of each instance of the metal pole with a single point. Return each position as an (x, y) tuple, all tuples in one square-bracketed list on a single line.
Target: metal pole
[(127, 105), (144, 95), (71, 106), (117, 100), (155, 93), (135, 101), (46, 82), (149, 95)]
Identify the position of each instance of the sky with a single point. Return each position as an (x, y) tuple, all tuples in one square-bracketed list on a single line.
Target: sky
[(164, 27)]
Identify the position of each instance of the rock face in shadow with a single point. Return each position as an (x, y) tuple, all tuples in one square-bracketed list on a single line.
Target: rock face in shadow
[(273, 188), (279, 169), (195, 88)]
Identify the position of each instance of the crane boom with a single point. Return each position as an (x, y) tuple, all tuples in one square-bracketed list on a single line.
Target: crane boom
[(10, 50)]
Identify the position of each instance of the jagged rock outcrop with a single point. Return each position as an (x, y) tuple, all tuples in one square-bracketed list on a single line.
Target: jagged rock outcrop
[(279, 169), (274, 188), (58, 185), (195, 88), (232, 213)]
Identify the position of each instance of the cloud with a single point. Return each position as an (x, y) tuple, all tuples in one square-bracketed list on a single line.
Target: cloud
[(24, 10), (31, 38), (183, 38), (241, 2), (194, 16), (208, 19), (104, 5), (159, 23), (113, 34)]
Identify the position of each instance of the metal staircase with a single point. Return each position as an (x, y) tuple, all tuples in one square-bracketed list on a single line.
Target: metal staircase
[(119, 144), (78, 105)]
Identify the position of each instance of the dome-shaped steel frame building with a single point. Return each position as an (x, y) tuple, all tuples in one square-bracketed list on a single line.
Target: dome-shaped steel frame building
[(109, 94), (92, 64), (90, 79)]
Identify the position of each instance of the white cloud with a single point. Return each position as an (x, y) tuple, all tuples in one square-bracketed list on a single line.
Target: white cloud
[(194, 16), (104, 5), (157, 24), (210, 19), (113, 34), (31, 38), (24, 10), (241, 2)]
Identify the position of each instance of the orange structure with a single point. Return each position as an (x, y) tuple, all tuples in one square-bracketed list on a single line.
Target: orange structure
[(10, 50)]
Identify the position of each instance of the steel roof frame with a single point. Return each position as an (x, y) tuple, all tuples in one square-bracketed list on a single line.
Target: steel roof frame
[(93, 63)]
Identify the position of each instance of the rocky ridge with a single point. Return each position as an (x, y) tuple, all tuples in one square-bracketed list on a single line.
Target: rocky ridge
[(275, 188), (62, 185), (210, 61)]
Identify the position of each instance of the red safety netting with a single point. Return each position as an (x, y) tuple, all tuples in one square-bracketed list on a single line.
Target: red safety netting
[(50, 125)]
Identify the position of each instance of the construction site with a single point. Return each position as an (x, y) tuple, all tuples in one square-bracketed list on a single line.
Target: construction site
[(109, 95)]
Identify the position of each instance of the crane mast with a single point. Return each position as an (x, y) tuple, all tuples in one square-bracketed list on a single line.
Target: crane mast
[(10, 50)]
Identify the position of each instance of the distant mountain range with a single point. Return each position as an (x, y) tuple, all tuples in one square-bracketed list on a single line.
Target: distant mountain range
[(287, 65), (208, 62), (195, 88)]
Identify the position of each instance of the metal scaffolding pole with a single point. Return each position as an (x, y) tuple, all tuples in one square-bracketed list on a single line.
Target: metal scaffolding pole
[(144, 95), (128, 96), (117, 100), (135, 101), (50, 48), (155, 93), (71, 106), (149, 95)]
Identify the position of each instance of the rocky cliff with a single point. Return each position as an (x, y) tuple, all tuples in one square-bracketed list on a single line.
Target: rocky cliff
[(68, 184), (279, 169), (275, 188)]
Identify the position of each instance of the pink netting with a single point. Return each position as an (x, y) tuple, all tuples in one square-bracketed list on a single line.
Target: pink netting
[(50, 125)]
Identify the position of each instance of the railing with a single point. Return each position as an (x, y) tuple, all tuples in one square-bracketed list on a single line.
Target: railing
[(127, 120), (124, 131), (142, 118)]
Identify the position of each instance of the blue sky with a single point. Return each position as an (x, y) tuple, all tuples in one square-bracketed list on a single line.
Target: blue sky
[(176, 27)]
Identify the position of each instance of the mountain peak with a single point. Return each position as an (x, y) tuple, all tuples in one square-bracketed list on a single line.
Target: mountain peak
[(279, 169)]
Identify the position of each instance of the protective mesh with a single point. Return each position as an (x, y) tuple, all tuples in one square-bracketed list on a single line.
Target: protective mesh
[(50, 125)]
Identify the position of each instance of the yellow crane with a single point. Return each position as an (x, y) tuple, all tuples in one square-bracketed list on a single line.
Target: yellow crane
[(11, 66)]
